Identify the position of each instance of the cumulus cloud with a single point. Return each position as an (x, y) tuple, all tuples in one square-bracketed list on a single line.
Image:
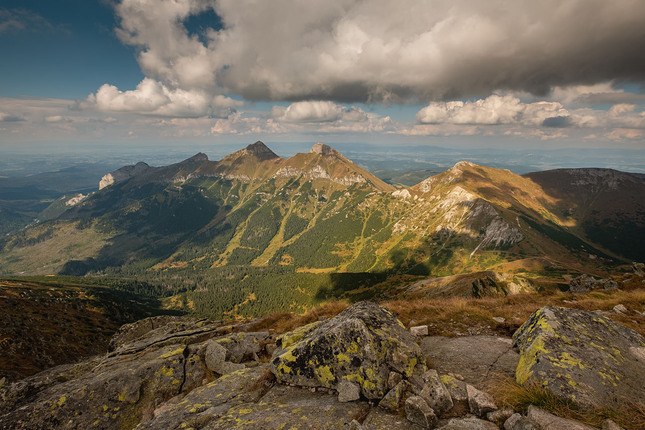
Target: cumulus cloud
[(492, 110), (378, 50), (318, 111), (153, 98)]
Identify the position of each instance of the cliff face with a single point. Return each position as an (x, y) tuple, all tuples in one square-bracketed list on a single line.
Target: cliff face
[(123, 174)]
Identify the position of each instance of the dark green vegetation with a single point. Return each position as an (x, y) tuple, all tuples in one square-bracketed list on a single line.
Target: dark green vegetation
[(43, 196), (254, 233), (47, 321)]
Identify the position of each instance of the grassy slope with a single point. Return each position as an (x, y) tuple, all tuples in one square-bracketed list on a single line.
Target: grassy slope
[(50, 322)]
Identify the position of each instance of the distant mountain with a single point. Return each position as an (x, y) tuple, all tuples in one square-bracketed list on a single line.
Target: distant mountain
[(319, 213)]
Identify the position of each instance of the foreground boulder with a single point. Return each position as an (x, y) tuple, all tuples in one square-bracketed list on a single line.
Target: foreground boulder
[(362, 344), (581, 356)]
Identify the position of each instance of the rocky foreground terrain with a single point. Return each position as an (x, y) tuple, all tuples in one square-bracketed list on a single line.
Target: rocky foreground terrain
[(362, 369)]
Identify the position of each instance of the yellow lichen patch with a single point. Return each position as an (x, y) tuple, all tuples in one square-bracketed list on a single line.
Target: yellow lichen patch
[(566, 360), (448, 381), (167, 371), (324, 375), (61, 401), (174, 352), (528, 359)]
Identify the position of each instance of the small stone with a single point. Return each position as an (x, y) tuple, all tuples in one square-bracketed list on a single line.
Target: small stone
[(511, 421), (270, 348), (468, 423), (418, 412), (348, 391), (479, 402), (500, 416), (499, 319), (435, 393), (393, 379), (547, 421), (421, 330), (457, 376), (523, 423), (392, 399), (620, 309), (610, 425)]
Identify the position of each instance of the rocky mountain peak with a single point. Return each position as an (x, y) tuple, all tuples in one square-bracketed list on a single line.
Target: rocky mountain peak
[(200, 156), (322, 149), (260, 150), (124, 173)]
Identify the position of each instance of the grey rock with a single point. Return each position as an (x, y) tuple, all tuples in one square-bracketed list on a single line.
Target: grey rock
[(209, 402), (585, 283), (291, 407), (362, 344), (610, 425), (418, 412), (620, 309), (112, 392), (348, 391), (500, 416), (215, 359), (476, 358), (547, 421), (457, 390), (518, 422), (421, 330), (435, 393), (392, 399), (393, 379), (499, 319), (480, 403), (379, 419), (242, 346), (467, 423), (270, 348), (509, 424), (581, 356)]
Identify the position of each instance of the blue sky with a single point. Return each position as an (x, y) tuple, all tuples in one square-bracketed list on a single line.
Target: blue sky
[(552, 74)]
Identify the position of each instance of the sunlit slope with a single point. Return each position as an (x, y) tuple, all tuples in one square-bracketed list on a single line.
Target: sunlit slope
[(318, 212)]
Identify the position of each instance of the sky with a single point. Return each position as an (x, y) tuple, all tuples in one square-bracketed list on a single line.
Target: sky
[(501, 73)]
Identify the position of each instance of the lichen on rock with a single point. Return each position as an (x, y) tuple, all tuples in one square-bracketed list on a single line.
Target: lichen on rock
[(581, 356), (362, 344)]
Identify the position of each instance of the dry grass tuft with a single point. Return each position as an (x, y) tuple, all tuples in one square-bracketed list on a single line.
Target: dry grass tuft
[(284, 321), (264, 382), (507, 393)]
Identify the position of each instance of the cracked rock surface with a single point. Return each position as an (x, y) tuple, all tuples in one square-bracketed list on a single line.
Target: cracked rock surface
[(476, 358)]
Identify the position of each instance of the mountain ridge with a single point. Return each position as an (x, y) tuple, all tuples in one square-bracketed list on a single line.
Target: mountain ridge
[(315, 217)]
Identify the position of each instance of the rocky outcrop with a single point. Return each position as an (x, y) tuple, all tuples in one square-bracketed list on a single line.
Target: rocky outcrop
[(585, 283), (581, 356), (122, 174), (175, 372), (362, 344)]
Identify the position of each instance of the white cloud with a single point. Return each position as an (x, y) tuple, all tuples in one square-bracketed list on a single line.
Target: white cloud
[(317, 111), (492, 110), (378, 50), (153, 98)]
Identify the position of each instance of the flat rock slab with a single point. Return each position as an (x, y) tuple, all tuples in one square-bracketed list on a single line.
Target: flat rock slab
[(292, 407), (476, 358), (380, 419), (209, 402)]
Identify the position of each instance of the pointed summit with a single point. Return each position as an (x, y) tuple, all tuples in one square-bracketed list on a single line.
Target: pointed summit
[(261, 151), (322, 149)]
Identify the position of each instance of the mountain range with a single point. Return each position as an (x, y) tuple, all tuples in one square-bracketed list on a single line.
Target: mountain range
[(318, 224)]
